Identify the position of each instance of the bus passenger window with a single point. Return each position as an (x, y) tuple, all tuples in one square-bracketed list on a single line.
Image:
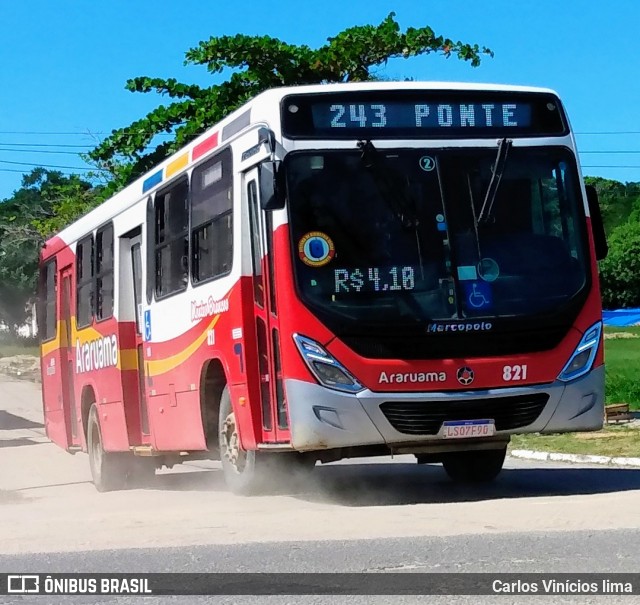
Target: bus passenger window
[(212, 244), (84, 281), (104, 273), (212, 218), (171, 239), (48, 323)]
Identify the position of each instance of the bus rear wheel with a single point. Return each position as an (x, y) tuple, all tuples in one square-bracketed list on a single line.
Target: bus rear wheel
[(480, 466), (108, 469)]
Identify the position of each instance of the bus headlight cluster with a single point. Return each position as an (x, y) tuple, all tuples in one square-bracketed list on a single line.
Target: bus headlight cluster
[(328, 371), (582, 358)]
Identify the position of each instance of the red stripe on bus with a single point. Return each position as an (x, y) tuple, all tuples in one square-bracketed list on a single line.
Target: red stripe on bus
[(206, 145)]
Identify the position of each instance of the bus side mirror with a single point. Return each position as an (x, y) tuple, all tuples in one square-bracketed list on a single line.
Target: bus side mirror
[(267, 136), (597, 226), (271, 197)]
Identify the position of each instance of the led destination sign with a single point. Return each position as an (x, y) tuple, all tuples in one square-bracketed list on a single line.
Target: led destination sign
[(414, 114), (421, 115)]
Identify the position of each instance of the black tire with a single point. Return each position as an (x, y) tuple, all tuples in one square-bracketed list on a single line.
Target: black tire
[(245, 472), (108, 469), (480, 466)]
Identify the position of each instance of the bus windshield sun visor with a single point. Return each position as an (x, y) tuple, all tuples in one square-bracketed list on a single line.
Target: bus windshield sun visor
[(486, 211)]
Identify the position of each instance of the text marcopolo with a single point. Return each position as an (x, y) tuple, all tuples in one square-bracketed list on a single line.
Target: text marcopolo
[(479, 326)]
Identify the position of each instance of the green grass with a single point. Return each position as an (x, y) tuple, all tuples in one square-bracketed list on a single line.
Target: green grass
[(9, 350), (622, 360), (617, 440), (14, 345)]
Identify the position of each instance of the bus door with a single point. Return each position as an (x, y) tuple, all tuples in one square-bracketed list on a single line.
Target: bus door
[(136, 270), (67, 358), (132, 329), (267, 332)]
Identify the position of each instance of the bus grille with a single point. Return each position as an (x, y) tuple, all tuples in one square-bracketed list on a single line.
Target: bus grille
[(426, 417)]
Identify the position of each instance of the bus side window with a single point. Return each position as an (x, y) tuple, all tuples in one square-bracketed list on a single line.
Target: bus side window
[(212, 218), (104, 273), (48, 320), (85, 282), (171, 238)]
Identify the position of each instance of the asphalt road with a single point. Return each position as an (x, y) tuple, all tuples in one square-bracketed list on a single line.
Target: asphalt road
[(582, 552), (373, 515)]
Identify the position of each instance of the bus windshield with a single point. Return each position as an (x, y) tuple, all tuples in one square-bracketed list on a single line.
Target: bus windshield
[(394, 236)]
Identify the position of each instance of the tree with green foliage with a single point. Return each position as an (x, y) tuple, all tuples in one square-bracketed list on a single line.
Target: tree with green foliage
[(46, 202), (20, 244), (66, 199), (258, 63), (620, 271), (617, 200)]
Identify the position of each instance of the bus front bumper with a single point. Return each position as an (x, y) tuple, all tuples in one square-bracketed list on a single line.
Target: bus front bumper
[(323, 419)]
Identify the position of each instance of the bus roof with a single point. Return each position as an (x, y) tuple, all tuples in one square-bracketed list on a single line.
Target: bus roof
[(234, 123)]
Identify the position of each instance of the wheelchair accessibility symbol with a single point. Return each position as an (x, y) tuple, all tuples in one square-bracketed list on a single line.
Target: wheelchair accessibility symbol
[(427, 163), (478, 295)]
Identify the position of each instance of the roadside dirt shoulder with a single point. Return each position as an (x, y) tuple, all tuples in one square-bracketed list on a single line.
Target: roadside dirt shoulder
[(24, 367)]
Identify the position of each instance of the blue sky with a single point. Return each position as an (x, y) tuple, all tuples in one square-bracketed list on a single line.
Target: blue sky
[(65, 63)]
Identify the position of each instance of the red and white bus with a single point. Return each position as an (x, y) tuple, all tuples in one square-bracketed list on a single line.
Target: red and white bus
[(333, 271)]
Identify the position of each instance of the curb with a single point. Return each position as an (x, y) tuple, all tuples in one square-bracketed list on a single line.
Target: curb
[(575, 458)]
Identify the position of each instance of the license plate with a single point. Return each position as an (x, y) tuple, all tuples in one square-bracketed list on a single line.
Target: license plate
[(464, 429)]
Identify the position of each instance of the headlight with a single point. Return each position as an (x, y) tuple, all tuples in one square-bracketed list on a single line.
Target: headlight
[(328, 371), (582, 358)]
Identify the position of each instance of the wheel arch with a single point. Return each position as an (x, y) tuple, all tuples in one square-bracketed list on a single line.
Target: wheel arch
[(87, 399), (213, 380)]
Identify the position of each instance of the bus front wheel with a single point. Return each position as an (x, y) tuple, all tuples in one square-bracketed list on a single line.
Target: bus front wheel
[(480, 466), (108, 469), (244, 471)]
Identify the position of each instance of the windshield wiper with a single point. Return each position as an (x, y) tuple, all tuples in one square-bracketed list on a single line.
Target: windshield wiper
[(391, 186), (496, 176), (395, 192)]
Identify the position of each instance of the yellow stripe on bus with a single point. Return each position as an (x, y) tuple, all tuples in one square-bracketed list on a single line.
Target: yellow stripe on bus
[(46, 348), (161, 366), (51, 346), (177, 165), (127, 358)]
